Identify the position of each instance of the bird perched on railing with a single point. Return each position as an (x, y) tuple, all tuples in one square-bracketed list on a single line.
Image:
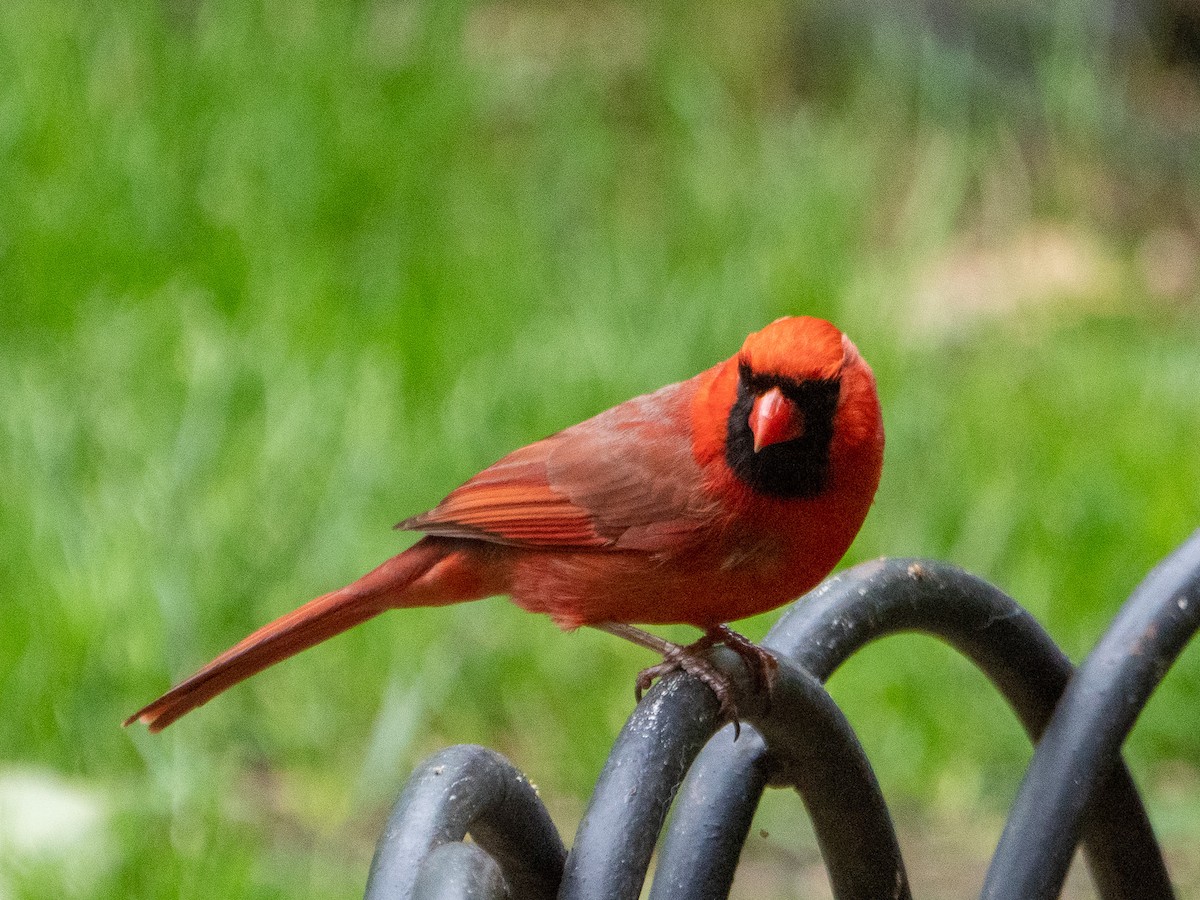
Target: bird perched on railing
[(706, 501)]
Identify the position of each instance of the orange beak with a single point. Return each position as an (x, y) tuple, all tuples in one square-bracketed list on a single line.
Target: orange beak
[(774, 418)]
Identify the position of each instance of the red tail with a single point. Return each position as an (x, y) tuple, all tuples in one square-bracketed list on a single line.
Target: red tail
[(300, 629)]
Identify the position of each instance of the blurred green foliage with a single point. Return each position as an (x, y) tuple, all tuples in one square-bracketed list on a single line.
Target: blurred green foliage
[(275, 276)]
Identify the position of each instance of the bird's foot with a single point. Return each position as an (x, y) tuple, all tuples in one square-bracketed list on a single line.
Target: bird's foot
[(690, 659), (761, 664)]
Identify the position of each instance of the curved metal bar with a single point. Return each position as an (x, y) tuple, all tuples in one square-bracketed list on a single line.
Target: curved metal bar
[(712, 818), (468, 789), (868, 602), (1083, 739), (458, 871), (616, 837), (816, 751)]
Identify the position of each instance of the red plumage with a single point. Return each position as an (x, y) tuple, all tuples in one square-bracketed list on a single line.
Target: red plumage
[(663, 509)]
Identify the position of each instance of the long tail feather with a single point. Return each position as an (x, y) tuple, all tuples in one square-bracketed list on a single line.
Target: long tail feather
[(322, 618)]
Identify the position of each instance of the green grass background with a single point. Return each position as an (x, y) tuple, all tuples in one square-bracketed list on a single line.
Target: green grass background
[(274, 276)]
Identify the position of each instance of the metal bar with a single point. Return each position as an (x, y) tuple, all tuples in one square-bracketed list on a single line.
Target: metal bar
[(712, 818), (1096, 713), (458, 871), (813, 750), (468, 789), (816, 751), (833, 622), (653, 751)]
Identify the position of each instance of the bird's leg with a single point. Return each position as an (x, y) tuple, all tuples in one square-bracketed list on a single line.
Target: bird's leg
[(689, 659), (675, 657), (645, 639)]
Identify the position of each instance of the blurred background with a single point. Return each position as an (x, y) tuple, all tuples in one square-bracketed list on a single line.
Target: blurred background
[(274, 276)]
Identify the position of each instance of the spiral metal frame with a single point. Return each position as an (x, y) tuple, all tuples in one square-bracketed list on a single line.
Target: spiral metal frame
[(1076, 789)]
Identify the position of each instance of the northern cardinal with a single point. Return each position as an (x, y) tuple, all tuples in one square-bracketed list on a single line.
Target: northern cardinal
[(709, 500)]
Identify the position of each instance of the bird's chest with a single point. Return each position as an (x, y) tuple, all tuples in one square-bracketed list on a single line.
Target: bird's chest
[(751, 554)]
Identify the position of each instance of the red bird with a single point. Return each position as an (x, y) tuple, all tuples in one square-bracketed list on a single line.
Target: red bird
[(710, 500)]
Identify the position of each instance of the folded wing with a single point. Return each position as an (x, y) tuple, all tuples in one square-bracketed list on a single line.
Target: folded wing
[(623, 480)]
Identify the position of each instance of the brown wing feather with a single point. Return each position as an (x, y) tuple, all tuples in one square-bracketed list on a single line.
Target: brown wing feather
[(625, 479)]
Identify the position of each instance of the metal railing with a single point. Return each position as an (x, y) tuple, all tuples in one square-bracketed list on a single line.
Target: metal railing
[(1076, 789)]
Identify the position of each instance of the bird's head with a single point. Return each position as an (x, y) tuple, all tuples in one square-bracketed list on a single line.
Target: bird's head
[(802, 392)]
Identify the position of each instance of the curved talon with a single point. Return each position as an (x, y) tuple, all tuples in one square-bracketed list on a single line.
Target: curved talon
[(719, 685), (672, 662)]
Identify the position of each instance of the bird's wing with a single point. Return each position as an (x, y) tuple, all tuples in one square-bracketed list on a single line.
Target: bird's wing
[(625, 479)]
